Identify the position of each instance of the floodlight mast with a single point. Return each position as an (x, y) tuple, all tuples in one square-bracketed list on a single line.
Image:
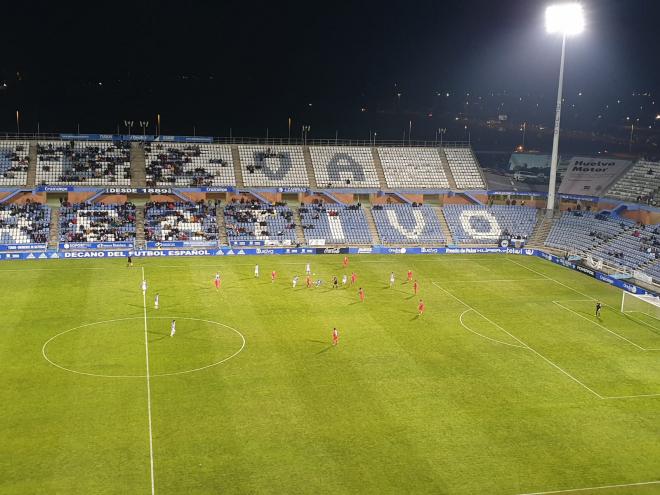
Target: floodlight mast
[(566, 19)]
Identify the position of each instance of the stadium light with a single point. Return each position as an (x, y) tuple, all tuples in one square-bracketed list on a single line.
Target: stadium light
[(566, 19)]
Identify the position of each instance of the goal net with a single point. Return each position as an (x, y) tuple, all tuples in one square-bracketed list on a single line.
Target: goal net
[(633, 303)]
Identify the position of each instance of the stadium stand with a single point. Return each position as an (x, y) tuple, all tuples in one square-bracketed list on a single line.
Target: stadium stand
[(87, 222), (14, 162), (84, 163), (617, 241), (273, 166), (335, 224), (24, 224), (189, 165), (344, 166), (653, 270), (640, 183), (260, 221), (487, 224), (407, 224), (413, 167), (464, 168), (581, 231), (180, 222)]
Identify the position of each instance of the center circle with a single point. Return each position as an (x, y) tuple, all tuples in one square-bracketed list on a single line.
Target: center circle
[(116, 348)]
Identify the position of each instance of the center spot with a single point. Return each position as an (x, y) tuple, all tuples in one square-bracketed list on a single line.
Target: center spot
[(116, 348)]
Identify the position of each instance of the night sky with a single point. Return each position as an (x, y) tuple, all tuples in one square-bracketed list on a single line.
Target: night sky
[(346, 67)]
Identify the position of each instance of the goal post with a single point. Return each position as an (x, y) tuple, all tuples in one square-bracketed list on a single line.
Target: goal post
[(634, 303)]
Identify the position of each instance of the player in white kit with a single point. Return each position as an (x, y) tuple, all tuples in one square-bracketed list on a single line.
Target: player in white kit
[(295, 281), (144, 286), (308, 269), (392, 279), (344, 279), (173, 328), (156, 300), (256, 271)]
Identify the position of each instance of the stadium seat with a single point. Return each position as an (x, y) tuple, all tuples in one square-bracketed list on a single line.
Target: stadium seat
[(180, 222), (344, 166), (407, 224), (273, 166), (464, 168), (83, 163), (335, 224), (618, 241), (14, 162), (87, 222), (189, 165), (480, 224), (639, 183), (413, 168), (260, 222), (27, 223)]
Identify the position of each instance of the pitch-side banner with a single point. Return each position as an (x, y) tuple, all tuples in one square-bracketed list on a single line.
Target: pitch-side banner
[(590, 176)]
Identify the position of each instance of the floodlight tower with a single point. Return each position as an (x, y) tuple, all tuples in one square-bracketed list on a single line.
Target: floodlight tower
[(566, 19)]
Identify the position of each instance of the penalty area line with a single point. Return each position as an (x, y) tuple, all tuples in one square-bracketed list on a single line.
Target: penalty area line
[(594, 488), (566, 373)]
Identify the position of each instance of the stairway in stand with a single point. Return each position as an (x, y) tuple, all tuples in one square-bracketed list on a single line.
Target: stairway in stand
[(379, 168), (139, 226), (300, 232), (54, 235), (369, 214), (310, 167), (446, 232), (541, 230), (32, 166), (222, 227), (138, 166), (446, 168), (238, 171)]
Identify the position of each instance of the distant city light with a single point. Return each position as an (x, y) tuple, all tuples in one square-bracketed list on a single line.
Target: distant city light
[(566, 19)]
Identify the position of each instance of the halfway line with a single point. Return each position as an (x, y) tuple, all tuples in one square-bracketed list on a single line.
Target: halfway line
[(146, 350)]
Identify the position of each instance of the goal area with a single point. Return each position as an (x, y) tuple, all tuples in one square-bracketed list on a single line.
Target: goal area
[(634, 303)]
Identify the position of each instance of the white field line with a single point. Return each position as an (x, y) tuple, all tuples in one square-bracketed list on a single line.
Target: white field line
[(627, 313), (601, 326), (430, 259), (522, 343), (550, 278), (460, 318), (497, 280), (146, 350), (182, 372), (593, 488)]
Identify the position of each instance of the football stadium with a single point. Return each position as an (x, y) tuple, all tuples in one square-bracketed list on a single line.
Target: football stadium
[(192, 314)]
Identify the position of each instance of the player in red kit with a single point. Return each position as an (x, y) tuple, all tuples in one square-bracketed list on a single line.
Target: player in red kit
[(217, 282), (409, 275), (345, 261), (335, 336), (415, 287), (361, 293), (353, 278), (273, 276), (421, 307)]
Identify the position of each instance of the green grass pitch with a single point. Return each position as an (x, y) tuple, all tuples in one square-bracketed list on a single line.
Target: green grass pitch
[(508, 384)]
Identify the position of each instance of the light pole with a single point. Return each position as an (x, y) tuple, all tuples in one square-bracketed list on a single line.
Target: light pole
[(144, 124), (129, 125), (305, 130), (441, 131), (566, 19)]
